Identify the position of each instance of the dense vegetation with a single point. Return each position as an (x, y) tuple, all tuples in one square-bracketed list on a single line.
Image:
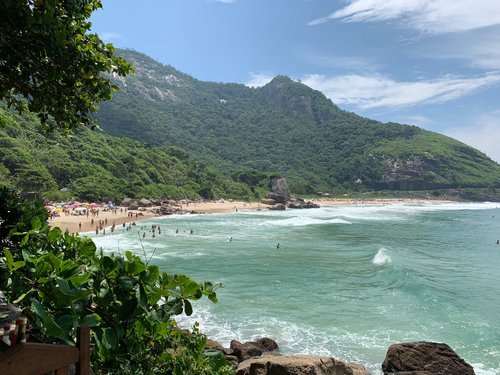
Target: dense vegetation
[(92, 166), (62, 282), (288, 128), (52, 64)]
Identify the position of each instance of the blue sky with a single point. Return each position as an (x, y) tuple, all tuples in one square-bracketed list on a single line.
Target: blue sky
[(430, 63)]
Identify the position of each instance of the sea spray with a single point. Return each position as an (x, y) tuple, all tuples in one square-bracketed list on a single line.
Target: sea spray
[(381, 257)]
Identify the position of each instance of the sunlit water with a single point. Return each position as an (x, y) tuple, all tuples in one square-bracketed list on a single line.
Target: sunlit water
[(346, 281)]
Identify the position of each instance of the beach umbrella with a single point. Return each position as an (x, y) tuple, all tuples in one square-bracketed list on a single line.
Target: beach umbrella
[(94, 205)]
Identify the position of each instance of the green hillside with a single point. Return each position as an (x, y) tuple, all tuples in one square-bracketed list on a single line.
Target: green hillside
[(288, 128), (93, 166)]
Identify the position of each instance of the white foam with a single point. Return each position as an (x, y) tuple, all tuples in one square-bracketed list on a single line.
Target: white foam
[(304, 221), (381, 257), (480, 369)]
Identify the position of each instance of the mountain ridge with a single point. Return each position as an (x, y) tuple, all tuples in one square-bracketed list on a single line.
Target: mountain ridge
[(288, 128)]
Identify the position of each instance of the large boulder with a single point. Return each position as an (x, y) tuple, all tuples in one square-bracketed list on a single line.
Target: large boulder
[(145, 203), (280, 187), (126, 202), (424, 358), (278, 198), (252, 348), (299, 365)]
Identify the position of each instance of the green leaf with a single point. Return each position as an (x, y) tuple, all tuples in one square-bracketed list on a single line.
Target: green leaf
[(188, 308), (142, 297), (91, 320), (109, 338), (48, 323), (54, 235), (36, 223), (103, 288), (87, 248)]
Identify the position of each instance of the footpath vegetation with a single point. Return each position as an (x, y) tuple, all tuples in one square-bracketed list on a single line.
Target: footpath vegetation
[(61, 281)]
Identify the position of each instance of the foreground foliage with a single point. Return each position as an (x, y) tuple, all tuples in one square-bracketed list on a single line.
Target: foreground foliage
[(62, 282), (52, 64)]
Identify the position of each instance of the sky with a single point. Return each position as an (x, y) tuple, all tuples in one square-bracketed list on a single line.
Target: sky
[(430, 63)]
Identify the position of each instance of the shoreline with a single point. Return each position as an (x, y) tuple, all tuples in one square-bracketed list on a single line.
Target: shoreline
[(121, 215)]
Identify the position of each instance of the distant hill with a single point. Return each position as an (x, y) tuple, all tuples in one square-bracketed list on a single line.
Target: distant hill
[(285, 127), (93, 166)]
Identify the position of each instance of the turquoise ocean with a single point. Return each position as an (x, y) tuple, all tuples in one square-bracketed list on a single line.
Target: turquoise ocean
[(346, 281)]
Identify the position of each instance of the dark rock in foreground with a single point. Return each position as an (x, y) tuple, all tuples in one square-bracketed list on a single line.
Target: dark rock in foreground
[(299, 365), (252, 348), (424, 358)]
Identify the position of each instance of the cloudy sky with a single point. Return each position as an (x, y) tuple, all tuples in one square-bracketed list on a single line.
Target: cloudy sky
[(430, 63)]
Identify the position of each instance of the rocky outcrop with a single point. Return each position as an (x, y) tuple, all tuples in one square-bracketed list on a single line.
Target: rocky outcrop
[(424, 358), (244, 351), (278, 207), (279, 186), (299, 365), (126, 202), (299, 205), (145, 203), (270, 202), (278, 198)]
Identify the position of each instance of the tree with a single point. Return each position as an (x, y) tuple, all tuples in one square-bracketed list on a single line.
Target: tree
[(51, 64)]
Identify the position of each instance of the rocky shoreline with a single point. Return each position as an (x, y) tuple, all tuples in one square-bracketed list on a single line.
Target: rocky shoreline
[(262, 357)]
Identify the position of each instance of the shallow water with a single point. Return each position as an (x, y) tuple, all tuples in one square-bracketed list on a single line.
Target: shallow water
[(346, 281)]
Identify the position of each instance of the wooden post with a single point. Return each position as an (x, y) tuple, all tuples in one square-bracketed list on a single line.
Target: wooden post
[(83, 343)]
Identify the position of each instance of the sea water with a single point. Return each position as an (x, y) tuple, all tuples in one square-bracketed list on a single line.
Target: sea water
[(346, 281)]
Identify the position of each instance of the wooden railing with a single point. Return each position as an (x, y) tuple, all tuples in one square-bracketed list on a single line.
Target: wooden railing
[(29, 358)]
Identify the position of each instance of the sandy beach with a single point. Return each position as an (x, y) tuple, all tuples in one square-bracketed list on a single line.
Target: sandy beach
[(83, 223)]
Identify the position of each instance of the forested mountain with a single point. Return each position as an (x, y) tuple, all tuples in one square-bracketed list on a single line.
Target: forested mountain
[(93, 166), (288, 128)]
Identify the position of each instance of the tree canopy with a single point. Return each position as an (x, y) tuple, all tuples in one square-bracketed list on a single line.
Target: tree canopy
[(50, 62)]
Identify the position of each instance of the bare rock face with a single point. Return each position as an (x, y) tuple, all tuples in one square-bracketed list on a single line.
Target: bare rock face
[(424, 358), (299, 365), (252, 348), (279, 186)]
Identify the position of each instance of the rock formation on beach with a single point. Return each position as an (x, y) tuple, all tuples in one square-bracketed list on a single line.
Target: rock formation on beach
[(424, 358), (279, 197), (299, 365), (261, 357)]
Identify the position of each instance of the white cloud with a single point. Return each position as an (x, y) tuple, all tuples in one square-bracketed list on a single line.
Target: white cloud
[(479, 47), (483, 135), (223, 1), (259, 79), (378, 91), (433, 16), (110, 37)]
